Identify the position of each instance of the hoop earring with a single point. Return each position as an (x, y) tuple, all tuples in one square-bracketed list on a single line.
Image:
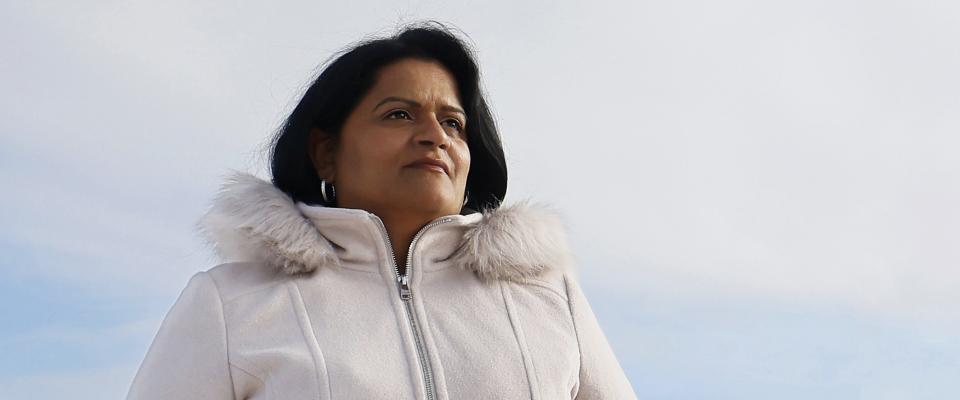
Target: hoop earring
[(329, 195)]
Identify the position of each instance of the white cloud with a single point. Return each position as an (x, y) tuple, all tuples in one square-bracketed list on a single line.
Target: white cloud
[(798, 153), (109, 381), (87, 384)]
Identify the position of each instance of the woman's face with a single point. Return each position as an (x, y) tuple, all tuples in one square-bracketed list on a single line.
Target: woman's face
[(412, 114)]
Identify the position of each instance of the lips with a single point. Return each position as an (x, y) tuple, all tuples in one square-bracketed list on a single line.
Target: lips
[(431, 163)]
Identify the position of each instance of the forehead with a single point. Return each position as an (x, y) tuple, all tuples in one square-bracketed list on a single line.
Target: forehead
[(417, 79)]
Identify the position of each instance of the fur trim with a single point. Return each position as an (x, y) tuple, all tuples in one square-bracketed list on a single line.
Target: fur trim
[(253, 220), (514, 242)]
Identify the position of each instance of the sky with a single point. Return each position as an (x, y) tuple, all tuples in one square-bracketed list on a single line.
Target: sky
[(761, 196)]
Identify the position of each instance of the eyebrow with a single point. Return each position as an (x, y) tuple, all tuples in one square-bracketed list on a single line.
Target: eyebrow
[(415, 104)]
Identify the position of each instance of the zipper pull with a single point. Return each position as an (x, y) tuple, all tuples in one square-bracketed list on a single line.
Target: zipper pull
[(404, 287)]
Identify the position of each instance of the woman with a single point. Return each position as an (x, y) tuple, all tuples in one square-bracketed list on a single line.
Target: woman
[(363, 272)]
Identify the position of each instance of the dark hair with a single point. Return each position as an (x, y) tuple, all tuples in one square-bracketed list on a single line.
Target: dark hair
[(343, 83)]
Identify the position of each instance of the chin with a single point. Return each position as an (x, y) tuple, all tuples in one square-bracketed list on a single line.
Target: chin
[(434, 203)]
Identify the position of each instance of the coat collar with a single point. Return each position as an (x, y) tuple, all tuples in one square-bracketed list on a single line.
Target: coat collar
[(253, 220)]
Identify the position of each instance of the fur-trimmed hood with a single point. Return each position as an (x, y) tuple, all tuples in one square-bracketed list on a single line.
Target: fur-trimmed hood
[(252, 220)]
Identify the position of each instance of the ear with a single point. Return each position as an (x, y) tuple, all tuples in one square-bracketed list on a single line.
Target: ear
[(322, 149)]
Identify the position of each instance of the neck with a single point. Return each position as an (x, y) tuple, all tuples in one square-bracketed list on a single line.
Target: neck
[(400, 238), (402, 224), (402, 229)]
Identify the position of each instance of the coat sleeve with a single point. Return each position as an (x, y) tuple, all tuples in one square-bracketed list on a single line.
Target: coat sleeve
[(188, 356), (601, 376)]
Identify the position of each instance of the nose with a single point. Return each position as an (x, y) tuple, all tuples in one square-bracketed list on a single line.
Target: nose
[(432, 134)]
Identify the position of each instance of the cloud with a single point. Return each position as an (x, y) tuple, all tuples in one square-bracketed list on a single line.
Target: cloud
[(799, 155), (85, 384), (69, 360)]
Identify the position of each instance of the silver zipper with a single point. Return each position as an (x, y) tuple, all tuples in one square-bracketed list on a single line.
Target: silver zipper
[(403, 286)]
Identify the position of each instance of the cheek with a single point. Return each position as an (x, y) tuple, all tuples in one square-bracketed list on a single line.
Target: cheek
[(463, 163), (367, 157), (348, 159)]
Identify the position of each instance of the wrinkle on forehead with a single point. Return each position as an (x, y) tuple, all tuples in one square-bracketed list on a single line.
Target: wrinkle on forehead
[(426, 82)]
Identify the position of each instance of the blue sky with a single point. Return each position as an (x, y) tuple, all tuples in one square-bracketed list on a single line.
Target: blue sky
[(761, 195)]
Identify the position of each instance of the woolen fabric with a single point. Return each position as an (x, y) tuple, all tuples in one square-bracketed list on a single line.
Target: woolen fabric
[(308, 306)]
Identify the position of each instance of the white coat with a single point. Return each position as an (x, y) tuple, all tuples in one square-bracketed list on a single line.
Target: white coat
[(313, 308)]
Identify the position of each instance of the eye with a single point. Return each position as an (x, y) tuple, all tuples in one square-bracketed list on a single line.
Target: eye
[(455, 124), (399, 113)]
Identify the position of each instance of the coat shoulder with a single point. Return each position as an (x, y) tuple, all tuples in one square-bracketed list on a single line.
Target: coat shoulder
[(235, 279), (552, 280)]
